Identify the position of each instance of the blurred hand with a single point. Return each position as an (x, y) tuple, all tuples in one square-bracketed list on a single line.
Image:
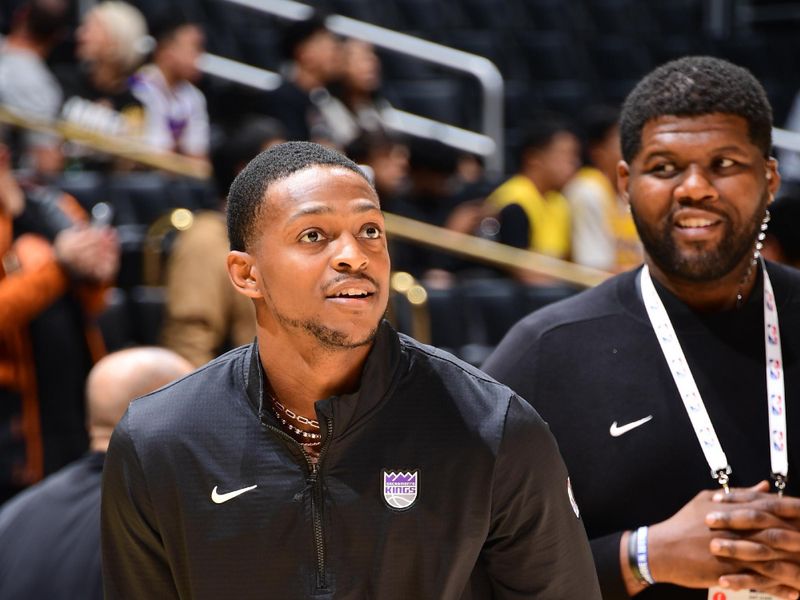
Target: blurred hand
[(88, 252)]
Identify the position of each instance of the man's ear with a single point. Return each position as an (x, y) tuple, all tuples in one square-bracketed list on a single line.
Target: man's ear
[(773, 178), (243, 274), (623, 176)]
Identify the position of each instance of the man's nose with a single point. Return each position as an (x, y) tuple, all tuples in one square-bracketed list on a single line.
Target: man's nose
[(696, 186), (349, 255)]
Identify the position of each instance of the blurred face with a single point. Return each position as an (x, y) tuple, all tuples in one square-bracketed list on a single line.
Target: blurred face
[(93, 42), (390, 165), (362, 69), (181, 52), (698, 189), (559, 160), (321, 262), (606, 154), (322, 55)]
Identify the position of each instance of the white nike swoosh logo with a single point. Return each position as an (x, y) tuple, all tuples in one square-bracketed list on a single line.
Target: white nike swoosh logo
[(220, 498), (618, 430)]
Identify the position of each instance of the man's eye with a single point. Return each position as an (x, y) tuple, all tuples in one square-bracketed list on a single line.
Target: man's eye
[(372, 232), (311, 237), (664, 168), (726, 163)]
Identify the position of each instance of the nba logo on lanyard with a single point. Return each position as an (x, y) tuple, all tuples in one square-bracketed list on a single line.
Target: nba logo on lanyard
[(400, 489)]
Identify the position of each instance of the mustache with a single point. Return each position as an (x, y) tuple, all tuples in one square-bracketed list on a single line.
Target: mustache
[(343, 278)]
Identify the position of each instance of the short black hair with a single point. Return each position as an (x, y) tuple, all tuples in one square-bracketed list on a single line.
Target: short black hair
[(248, 193), (249, 138), (695, 86), (167, 21), (542, 127), (45, 20), (299, 31), (597, 122)]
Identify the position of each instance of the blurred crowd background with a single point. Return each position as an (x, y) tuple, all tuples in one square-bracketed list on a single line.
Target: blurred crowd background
[(123, 125)]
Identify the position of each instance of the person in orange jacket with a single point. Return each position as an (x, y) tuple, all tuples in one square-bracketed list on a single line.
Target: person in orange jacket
[(50, 290)]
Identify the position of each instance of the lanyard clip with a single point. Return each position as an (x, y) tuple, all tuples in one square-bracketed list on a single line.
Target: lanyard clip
[(723, 477), (779, 481)]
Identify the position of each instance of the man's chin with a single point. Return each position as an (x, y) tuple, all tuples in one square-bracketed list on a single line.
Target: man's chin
[(338, 339)]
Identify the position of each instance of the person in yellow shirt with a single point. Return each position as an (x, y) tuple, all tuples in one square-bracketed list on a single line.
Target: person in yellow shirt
[(603, 233), (532, 212)]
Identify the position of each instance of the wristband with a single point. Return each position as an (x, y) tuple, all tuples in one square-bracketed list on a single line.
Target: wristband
[(641, 555), (633, 562)]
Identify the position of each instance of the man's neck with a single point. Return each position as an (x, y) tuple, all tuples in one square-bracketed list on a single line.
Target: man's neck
[(20, 41), (709, 296), (302, 371), (169, 77), (305, 79), (538, 179)]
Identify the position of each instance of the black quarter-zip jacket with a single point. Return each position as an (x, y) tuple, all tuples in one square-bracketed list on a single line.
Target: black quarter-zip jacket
[(488, 516)]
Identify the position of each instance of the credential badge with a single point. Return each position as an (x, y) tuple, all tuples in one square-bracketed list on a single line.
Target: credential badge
[(400, 488)]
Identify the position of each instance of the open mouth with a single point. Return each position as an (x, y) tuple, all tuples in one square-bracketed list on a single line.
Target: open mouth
[(357, 294), (695, 223)]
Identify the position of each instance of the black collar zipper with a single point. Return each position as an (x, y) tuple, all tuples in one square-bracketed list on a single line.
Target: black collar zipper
[(317, 502)]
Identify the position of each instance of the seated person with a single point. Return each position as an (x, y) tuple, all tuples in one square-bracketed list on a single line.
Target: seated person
[(204, 315), (175, 116), (53, 276)]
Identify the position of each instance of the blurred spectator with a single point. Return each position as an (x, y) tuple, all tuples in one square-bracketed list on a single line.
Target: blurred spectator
[(204, 314), (429, 198), (26, 83), (50, 534), (603, 233), (315, 59), (52, 280), (176, 118), (532, 212), (387, 159), (111, 43), (358, 92)]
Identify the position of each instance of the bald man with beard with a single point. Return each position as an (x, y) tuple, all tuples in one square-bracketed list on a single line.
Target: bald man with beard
[(50, 534)]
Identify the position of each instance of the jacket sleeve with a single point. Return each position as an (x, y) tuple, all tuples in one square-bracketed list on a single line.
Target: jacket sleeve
[(38, 283), (135, 564), (537, 546)]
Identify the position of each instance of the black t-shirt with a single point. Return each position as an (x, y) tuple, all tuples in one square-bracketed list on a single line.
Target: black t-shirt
[(594, 360)]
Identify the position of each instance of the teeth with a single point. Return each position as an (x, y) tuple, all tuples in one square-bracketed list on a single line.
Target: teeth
[(352, 292), (695, 223)]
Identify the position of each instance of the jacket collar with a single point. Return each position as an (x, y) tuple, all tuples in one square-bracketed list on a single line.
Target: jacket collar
[(385, 365)]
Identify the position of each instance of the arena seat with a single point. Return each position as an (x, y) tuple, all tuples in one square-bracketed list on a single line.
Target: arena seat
[(114, 321), (147, 313)]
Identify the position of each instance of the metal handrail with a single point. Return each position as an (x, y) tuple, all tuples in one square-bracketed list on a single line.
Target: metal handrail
[(484, 70), (131, 149), (401, 227), (394, 118)]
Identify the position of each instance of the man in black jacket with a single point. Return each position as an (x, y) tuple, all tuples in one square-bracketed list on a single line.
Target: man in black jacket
[(665, 379), (333, 458)]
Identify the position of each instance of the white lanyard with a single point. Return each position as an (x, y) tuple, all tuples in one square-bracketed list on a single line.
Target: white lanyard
[(687, 388)]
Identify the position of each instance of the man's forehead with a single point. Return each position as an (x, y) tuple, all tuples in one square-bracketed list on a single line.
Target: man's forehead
[(317, 186), (713, 122), (703, 130)]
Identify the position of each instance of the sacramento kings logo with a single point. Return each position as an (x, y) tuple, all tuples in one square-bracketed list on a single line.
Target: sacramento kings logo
[(400, 488)]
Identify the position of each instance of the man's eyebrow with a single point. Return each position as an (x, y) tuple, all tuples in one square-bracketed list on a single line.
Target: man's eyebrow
[(313, 209), (362, 206), (365, 206)]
